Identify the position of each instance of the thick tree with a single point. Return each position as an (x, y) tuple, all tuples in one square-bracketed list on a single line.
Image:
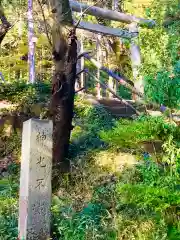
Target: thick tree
[(64, 51)]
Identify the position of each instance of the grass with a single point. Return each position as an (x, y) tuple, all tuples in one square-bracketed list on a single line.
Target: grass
[(114, 191)]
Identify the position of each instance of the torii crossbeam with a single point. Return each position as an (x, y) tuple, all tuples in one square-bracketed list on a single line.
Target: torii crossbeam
[(109, 14), (133, 22)]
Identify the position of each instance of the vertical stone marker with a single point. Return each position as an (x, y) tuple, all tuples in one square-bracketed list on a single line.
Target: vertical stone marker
[(35, 180)]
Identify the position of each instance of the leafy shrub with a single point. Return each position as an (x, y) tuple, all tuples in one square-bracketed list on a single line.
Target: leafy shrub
[(9, 205), (156, 195), (85, 224), (164, 88), (89, 120), (128, 133), (12, 145), (8, 218), (20, 90)]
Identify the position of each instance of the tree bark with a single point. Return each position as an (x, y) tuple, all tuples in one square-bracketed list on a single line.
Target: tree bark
[(4, 27), (63, 89)]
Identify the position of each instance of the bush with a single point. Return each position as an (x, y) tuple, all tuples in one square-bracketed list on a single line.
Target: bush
[(21, 91), (8, 218), (129, 134), (86, 224), (89, 121), (164, 88), (9, 204)]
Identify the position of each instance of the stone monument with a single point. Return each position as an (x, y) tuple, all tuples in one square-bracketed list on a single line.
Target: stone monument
[(35, 180)]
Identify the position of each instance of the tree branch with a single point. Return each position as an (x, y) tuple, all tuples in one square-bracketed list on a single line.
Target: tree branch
[(5, 26), (45, 23)]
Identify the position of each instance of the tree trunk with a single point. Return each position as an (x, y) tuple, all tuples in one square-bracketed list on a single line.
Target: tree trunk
[(64, 53), (4, 27), (63, 90)]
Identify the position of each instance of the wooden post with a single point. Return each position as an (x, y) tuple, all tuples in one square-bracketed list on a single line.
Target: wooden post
[(113, 83), (82, 76), (78, 67), (115, 5), (136, 61), (99, 54), (80, 81), (116, 8), (2, 77)]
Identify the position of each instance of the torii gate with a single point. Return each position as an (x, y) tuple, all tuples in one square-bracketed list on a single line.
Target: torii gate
[(132, 34), (65, 59)]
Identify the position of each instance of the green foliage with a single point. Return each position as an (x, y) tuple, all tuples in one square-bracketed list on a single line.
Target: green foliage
[(155, 196), (8, 218), (9, 204), (172, 155), (21, 91), (164, 88), (136, 204), (92, 116), (89, 120), (124, 92), (141, 202), (12, 145), (129, 134), (86, 224), (146, 208)]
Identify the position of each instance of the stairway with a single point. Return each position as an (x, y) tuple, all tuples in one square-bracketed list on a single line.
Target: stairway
[(117, 108), (114, 106)]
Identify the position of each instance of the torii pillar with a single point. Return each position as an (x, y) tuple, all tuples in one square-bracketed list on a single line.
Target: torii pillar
[(136, 61)]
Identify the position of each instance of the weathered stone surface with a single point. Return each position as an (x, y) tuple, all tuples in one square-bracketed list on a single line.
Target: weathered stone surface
[(35, 180), (154, 113)]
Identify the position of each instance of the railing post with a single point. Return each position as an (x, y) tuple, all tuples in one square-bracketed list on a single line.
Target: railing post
[(80, 81)]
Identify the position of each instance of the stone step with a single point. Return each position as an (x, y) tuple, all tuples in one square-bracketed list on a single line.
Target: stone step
[(129, 116), (114, 106), (119, 110), (113, 102)]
